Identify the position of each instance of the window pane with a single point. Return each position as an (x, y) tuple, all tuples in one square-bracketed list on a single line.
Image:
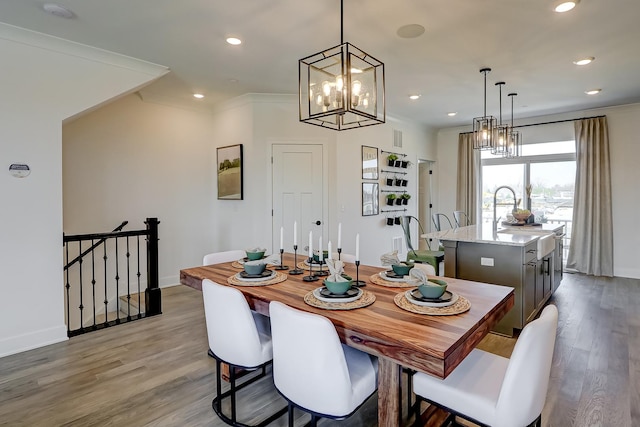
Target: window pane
[(552, 192), (494, 177), (560, 147)]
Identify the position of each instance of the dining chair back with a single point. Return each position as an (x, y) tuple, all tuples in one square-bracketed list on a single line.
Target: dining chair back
[(491, 390), (344, 257), (313, 370), (461, 218), (226, 256), (434, 258), (237, 339)]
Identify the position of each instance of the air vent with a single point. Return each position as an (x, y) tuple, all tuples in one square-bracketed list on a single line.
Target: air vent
[(397, 138)]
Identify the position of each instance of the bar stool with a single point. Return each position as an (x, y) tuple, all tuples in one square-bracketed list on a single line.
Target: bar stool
[(421, 256), (491, 390), (236, 339), (313, 371), (461, 218)]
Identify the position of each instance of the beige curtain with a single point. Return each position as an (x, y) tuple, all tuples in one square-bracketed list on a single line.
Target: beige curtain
[(468, 170), (591, 250)]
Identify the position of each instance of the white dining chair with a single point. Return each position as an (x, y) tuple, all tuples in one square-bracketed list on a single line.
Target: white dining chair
[(313, 370), (235, 338), (349, 258), (226, 256), (491, 390)]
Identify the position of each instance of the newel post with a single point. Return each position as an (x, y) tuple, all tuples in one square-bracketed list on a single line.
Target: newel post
[(152, 296)]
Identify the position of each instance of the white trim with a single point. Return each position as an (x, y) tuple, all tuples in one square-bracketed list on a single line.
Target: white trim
[(32, 340), (66, 47)]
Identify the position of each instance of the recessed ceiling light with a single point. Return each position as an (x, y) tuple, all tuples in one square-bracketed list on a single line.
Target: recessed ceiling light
[(410, 31), (451, 114), (234, 41), (198, 95), (584, 61), (57, 10), (565, 6), (593, 91), (414, 97)]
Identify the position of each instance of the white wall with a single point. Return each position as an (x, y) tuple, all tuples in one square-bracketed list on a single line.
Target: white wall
[(625, 174), (45, 80), (153, 160)]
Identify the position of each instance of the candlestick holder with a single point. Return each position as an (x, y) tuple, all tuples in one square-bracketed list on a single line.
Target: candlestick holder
[(321, 272), (296, 270), (281, 267), (311, 277), (339, 252), (358, 282)]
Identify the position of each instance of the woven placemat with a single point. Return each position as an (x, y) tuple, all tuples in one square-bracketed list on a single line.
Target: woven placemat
[(314, 267), (458, 307), (366, 299), (236, 264), (375, 278), (279, 277)]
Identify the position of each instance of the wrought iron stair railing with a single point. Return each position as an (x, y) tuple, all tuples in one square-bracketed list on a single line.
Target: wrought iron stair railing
[(112, 279)]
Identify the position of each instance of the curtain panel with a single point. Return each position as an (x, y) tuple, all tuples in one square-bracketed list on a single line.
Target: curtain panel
[(467, 184), (591, 250)]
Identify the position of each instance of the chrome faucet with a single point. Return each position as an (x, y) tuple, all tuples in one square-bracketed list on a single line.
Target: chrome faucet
[(495, 195)]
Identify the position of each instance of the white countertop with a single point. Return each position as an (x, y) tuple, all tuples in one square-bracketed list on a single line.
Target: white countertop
[(485, 234)]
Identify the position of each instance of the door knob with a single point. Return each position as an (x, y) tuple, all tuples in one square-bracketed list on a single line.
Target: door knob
[(317, 222)]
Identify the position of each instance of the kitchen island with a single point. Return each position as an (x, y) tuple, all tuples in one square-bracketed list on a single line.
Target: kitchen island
[(527, 258)]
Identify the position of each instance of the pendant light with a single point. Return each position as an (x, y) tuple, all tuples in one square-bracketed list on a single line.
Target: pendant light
[(341, 87), (502, 130), (514, 139), (484, 127)]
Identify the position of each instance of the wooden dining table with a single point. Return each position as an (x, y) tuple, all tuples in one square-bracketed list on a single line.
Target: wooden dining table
[(427, 343)]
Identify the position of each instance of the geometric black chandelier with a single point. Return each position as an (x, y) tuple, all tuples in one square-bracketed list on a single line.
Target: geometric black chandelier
[(484, 127), (514, 137), (341, 87)]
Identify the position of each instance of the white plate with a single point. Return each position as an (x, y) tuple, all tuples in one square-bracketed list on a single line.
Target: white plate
[(383, 274), (412, 300), (257, 279), (316, 293)]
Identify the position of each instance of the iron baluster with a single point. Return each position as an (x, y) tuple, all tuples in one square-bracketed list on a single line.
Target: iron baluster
[(106, 301), (81, 306), (68, 287), (128, 283), (138, 274), (117, 284), (93, 282)]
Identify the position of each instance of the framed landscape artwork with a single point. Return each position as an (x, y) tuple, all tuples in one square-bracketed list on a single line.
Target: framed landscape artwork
[(230, 172)]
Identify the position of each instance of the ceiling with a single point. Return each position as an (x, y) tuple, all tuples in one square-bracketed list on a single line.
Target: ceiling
[(526, 43)]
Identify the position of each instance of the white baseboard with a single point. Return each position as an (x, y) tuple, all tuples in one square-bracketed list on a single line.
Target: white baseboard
[(630, 273), (36, 339)]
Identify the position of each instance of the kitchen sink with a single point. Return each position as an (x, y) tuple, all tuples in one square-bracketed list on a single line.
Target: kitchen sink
[(544, 245)]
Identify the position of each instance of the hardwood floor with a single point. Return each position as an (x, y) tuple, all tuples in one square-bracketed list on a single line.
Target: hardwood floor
[(156, 372)]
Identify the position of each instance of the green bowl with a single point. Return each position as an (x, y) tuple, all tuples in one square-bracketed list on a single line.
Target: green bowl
[(255, 255), (254, 269), (434, 289), (402, 269), (337, 288), (325, 255)]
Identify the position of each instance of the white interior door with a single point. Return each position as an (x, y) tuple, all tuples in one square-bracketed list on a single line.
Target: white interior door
[(424, 201), (298, 194)]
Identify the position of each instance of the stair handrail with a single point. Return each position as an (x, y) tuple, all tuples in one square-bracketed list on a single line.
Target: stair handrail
[(95, 245)]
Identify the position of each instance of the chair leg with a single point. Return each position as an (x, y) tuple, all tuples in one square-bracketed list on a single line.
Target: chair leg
[(232, 381), (290, 411)]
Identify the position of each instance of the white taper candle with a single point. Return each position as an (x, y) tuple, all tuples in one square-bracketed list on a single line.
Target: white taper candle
[(358, 247)]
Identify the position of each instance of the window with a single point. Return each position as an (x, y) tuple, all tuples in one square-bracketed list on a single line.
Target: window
[(550, 169)]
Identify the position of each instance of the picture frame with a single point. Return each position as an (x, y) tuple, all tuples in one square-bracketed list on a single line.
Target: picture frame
[(369, 162), (370, 198), (230, 172)]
